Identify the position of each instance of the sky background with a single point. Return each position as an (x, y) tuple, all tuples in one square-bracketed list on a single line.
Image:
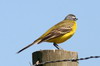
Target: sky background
[(23, 21)]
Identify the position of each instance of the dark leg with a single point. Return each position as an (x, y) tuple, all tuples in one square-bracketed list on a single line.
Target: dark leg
[(56, 45)]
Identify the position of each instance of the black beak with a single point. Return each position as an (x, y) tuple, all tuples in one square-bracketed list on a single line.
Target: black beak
[(76, 18)]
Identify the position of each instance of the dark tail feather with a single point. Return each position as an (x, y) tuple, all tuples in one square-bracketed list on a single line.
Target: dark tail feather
[(25, 48), (35, 42)]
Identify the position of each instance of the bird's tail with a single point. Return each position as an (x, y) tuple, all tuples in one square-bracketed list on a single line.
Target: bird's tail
[(35, 42)]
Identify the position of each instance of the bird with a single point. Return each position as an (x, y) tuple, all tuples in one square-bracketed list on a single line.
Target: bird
[(59, 33)]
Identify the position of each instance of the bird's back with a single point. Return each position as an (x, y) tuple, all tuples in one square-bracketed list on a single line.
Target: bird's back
[(62, 38)]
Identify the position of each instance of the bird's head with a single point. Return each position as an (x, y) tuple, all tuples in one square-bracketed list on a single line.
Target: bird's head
[(71, 17)]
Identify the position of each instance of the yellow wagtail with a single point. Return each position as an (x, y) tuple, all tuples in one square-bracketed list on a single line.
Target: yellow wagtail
[(58, 33)]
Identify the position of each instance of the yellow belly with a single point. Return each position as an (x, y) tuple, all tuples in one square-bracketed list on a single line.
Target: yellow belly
[(63, 38)]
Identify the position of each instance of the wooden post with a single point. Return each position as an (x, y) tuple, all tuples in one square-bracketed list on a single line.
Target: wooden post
[(53, 55)]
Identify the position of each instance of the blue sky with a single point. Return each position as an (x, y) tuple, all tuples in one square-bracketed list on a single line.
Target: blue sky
[(23, 21)]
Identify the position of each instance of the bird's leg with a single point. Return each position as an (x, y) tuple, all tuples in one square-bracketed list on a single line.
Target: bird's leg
[(56, 45)]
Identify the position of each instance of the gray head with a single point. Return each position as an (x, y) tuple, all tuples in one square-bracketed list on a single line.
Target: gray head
[(71, 17)]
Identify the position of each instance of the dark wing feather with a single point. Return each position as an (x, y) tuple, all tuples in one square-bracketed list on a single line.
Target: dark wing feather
[(57, 32)]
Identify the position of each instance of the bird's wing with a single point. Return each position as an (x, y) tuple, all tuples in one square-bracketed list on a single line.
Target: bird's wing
[(57, 32)]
